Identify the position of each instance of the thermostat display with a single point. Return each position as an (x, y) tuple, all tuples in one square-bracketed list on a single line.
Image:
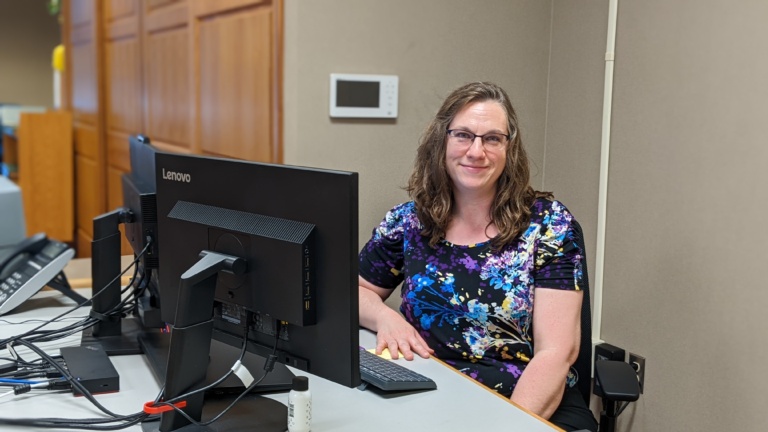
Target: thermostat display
[(363, 96)]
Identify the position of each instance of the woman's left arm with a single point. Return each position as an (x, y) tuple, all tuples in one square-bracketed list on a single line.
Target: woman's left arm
[(556, 332)]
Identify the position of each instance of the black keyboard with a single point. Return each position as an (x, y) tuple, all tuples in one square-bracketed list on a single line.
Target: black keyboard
[(390, 376)]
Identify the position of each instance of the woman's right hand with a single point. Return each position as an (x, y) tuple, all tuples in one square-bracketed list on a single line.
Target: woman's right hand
[(393, 332), (399, 337)]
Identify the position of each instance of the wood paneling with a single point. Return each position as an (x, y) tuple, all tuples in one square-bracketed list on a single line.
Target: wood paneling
[(86, 141), (85, 75), (115, 200), (201, 8), (116, 9), (123, 88), (121, 18), (117, 151), (81, 34), (123, 85), (83, 244), (169, 16), (122, 28), (80, 12), (89, 195), (169, 110), (235, 90), (171, 148), (85, 94), (154, 4)]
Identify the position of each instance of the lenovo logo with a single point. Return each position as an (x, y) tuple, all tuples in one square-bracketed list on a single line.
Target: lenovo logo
[(177, 176)]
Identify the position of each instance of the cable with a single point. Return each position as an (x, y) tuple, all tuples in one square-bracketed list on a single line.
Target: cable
[(65, 373), (221, 379), (122, 421), (88, 321), (71, 423), (37, 320), (36, 335), (17, 381), (5, 342), (268, 368), (85, 424)]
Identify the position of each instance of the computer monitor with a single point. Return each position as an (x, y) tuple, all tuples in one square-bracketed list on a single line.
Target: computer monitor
[(140, 197), (295, 229), (138, 215)]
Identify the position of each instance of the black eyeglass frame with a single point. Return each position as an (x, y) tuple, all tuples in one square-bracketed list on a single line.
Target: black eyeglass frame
[(451, 132)]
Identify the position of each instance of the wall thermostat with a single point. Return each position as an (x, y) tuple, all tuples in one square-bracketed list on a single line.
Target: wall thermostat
[(363, 96)]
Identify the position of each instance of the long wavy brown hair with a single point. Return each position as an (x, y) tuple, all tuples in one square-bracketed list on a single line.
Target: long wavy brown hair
[(431, 189)]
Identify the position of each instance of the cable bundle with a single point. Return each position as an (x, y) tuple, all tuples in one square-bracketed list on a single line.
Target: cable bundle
[(53, 375), (20, 374)]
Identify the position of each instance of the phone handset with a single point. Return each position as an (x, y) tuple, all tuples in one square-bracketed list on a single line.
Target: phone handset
[(32, 264), (18, 254)]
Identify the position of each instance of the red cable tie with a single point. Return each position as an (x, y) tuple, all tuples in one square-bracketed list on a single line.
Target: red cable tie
[(151, 409)]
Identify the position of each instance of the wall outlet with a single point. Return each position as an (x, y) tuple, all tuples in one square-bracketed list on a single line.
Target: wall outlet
[(638, 364)]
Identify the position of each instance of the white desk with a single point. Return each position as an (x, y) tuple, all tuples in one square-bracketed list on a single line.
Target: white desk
[(459, 404)]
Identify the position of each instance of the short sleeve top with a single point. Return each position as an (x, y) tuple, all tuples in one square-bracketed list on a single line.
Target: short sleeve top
[(474, 305)]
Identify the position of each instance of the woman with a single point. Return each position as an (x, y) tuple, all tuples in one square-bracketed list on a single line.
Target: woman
[(490, 269)]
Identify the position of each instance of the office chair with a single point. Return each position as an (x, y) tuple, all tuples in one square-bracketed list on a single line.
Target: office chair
[(618, 381)]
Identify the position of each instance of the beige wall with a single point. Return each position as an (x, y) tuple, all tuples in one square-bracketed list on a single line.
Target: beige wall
[(28, 35), (574, 111), (433, 46), (687, 196)]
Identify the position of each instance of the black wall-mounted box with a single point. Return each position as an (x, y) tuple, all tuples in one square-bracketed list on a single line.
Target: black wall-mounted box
[(606, 351)]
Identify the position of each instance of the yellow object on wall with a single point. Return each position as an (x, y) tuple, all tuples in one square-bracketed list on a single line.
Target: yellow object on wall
[(58, 58)]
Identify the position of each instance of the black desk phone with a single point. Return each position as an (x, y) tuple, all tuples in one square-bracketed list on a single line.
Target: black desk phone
[(26, 268)]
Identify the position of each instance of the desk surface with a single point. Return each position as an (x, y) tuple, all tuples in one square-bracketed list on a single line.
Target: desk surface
[(458, 404)]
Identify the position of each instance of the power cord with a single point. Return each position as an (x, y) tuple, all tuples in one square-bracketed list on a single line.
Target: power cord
[(268, 366)]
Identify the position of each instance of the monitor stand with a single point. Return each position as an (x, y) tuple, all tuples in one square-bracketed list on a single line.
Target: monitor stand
[(117, 335), (262, 413), (190, 341), (222, 356), (125, 343)]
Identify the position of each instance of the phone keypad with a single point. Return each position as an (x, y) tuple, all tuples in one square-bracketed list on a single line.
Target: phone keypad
[(26, 266)]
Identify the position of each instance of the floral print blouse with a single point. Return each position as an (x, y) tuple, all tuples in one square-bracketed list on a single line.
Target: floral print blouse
[(472, 305)]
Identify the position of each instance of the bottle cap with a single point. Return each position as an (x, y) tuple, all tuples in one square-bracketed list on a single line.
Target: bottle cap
[(300, 383)]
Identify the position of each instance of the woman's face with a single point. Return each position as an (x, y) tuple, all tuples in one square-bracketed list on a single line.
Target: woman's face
[(474, 167)]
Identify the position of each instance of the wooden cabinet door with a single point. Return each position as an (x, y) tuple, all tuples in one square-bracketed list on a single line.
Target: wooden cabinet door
[(235, 51), (123, 99), (84, 72)]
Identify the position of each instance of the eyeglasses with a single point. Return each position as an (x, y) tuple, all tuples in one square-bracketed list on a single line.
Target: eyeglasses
[(491, 141)]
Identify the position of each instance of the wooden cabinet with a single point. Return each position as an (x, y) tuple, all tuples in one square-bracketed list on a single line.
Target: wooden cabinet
[(196, 76), (42, 152)]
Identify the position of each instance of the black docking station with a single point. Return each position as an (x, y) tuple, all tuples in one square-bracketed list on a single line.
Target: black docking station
[(92, 368)]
